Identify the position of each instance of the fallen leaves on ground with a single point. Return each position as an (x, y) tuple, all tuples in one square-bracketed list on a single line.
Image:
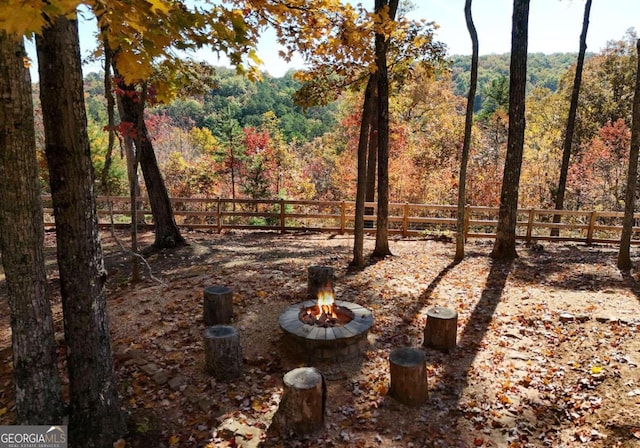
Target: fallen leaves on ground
[(547, 355)]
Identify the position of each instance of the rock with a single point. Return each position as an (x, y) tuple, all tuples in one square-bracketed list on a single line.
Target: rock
[(150, 369), (177, 383), (568, 317), (192, 394), (160, 377)]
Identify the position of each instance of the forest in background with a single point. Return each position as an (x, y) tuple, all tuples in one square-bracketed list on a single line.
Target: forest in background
[(241, 138)]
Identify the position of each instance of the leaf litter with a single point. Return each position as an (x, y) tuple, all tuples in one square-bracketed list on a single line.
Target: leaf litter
[(547, 355)]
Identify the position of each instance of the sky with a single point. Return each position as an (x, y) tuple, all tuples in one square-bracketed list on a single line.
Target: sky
[(554, 27)]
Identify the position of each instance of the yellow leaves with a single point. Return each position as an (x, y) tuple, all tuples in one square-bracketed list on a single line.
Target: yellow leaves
[(27, 17), (173, 440), (596, 370), (160, 6), (254, 57), (132, 67), (3, 411)]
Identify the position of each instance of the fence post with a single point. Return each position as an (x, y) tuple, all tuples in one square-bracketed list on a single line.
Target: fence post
[(592, 224), (405, 220), (343, 217), (467, 218), (282, 223), (218, 215), (530, 225)]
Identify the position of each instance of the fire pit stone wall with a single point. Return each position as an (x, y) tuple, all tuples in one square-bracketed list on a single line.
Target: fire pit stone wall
[(327, 343)]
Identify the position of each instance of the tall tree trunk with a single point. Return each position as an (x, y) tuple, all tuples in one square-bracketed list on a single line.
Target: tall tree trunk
[(365, 130), (134, 193), (468, 125), (624, 257), (571, 120), (505, 244), (372, 157), (382, 45), (132, 107), (96, 418), (127, 146), (35, 372)]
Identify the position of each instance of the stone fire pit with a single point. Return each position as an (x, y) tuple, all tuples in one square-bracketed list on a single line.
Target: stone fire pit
[(340, 340)]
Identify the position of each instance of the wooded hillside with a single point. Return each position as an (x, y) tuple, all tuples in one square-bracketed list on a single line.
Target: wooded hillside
[(276, 149)]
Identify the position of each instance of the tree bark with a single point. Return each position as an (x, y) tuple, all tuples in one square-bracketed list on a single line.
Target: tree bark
[(320, 278), (571, 120), (505, 243), (167, 233), (382, 45), (217, 305), (35, 372), (301, 410), (408, 371), (223, 352), (96, 419), (468, 126), (368, 108), (441, 331), (624, 257), (372, 158)]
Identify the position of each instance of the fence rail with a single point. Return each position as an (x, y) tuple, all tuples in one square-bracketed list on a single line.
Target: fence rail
[(338, 217)]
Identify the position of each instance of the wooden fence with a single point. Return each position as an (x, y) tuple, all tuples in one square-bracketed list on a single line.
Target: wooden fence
[(338, 217)]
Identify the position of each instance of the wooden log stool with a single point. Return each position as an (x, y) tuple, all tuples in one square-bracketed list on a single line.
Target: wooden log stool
[(217, 306), (222, 352), (319, 277), (441, 329), (301, 409), (408, 369)]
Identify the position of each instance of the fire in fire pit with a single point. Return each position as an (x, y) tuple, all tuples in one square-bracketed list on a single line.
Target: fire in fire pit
[(326, 329), (325, 313)]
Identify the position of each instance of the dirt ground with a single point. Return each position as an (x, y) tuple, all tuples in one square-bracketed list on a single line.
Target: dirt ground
[(547, 355)]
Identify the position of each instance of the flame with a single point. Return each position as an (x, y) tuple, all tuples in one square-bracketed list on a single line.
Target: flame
[(326, 303)]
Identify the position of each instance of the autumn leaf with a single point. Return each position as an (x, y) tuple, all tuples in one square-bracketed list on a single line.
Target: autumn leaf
[(595, 370), (173, 440)]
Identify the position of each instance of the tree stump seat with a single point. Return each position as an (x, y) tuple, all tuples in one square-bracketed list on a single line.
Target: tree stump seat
[(223, 352), (319, 277), (217, 305), (408, 369), (301, 409), (440, 332)]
